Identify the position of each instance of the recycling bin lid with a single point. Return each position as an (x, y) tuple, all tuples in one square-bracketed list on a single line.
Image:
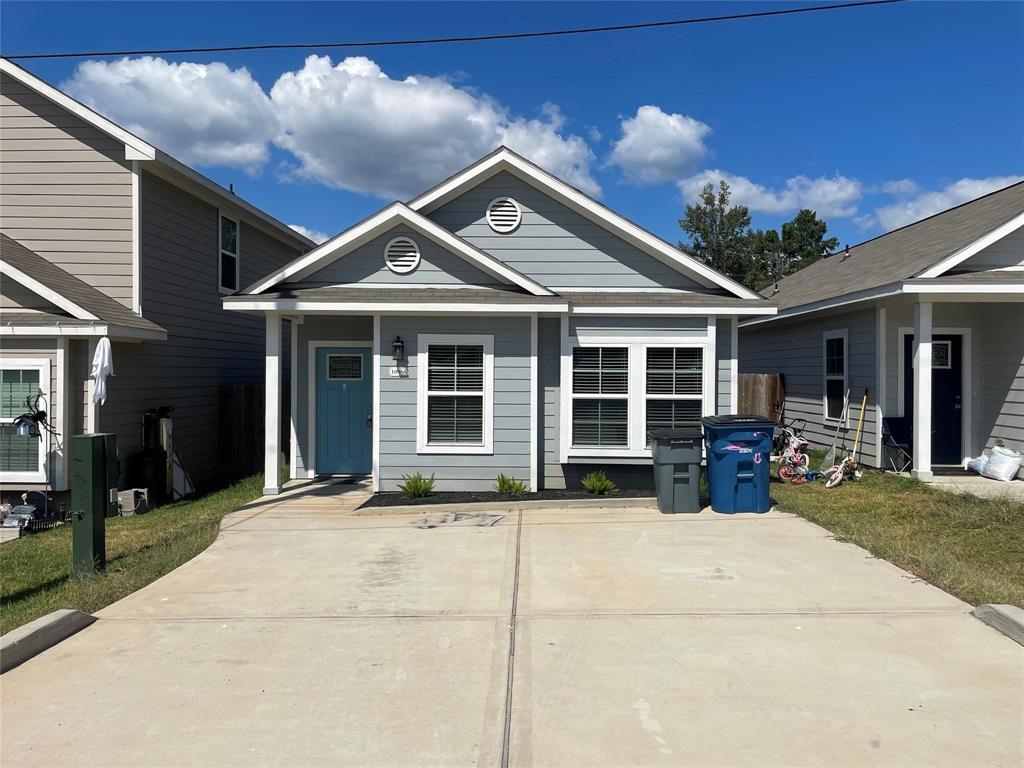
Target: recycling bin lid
[(675, 433), (738, 420)]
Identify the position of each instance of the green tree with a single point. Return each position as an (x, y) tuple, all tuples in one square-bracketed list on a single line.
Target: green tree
[(804, 241), (717, 231), (721, 237)]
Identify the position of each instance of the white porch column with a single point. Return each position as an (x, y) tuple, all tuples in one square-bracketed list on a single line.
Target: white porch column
[(922, 469), (272, 407)]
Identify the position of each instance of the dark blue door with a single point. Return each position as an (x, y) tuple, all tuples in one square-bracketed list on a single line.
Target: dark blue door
[(947, 395), (344, 405)]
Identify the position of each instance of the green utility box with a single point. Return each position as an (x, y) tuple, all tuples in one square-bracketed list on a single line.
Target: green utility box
[(93, 494)]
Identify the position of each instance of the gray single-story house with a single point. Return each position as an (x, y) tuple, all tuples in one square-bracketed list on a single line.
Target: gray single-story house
[(501, 322), (948, 289)]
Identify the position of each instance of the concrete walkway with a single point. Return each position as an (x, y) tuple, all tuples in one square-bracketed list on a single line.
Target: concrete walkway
[(309, 635)]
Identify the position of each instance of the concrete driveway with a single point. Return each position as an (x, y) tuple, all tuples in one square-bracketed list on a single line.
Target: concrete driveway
[(307, 635)]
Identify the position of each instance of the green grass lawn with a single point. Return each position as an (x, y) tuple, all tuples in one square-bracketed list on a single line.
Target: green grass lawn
[(35, 570), (972, 548)]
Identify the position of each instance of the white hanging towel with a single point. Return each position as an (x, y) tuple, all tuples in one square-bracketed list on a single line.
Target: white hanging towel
[(102, 366)]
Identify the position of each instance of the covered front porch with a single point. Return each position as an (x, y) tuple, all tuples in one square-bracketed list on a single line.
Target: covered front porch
[(971, 395)]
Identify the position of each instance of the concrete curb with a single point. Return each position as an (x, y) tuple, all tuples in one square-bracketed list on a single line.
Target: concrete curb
[(21, 644), (603, 502), (1008, 619)]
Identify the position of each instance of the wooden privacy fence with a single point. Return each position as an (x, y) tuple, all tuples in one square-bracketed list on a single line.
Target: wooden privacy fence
[(762, 394), (240, 407)]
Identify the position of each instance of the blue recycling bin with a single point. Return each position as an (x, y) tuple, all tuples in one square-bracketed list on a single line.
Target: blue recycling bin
[(739, 452)]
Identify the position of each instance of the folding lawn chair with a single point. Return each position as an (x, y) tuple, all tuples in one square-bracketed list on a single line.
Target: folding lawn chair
[(896, 443)]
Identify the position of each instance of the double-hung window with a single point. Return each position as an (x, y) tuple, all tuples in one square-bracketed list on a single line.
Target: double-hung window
[(228, 270), (835, 375), (600, 397), (455, 388), (674, 387), (22, 459)]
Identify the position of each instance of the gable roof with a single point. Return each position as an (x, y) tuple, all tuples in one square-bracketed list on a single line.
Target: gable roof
[(504, 159), (62, 289), (137, 149), (925, 249), (367, 229)]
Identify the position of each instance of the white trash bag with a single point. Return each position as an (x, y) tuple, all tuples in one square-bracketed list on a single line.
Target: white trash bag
[(1003, 464), (978, 465)]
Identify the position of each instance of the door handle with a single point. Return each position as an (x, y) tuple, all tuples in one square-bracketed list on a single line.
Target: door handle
[(369, 419)]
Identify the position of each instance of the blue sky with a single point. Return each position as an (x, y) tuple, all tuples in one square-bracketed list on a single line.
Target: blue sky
[(873, 116)]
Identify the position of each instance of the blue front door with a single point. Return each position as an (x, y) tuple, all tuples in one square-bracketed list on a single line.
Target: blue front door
[(344, 405)]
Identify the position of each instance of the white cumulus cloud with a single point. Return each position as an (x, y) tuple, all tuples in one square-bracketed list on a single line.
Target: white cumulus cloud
[(836, 196), (313, 234), (204, 114), (353, 127), (656, 147), (349, 125), (925, 204)]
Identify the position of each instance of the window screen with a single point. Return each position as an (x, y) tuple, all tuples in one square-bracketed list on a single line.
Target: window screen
[(600, 410), (455, 394)]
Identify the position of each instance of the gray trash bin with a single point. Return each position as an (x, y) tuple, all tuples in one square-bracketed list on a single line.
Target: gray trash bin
[(677, 457)]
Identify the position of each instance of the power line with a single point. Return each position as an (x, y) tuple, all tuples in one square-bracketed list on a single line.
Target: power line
[(466, 39)]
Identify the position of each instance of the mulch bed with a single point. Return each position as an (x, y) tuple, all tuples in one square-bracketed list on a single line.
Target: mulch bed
[(399, 499)]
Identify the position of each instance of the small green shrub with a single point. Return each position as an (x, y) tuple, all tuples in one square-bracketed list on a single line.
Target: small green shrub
[(509, 486), (599, 484), (416, 485)]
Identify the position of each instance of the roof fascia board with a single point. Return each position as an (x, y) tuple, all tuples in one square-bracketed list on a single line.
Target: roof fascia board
[(960, 288), (978, 245), (567, 195), (380, 222), (115, 332), (189, 179), (670, 310), (385, 308), (892, 289), (52, 296), (134, 147)]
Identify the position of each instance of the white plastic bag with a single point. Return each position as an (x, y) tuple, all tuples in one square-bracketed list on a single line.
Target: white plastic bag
[(1002, 464), (978, 465)]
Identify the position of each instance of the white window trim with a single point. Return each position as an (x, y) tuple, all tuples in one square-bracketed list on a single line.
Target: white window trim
[(237, 255), (42, 365), (423, 342), (637, 406), (628, 396), (825, 376)]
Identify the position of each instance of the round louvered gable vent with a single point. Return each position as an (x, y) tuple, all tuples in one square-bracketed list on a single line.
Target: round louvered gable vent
[(402, 255), (504, 215)]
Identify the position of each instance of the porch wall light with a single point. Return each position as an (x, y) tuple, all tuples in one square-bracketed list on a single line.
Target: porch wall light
[(398, 349)]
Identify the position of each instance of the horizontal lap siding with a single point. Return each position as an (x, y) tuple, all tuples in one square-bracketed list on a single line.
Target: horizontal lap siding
[(796, 350), (471, 472), (723, 354), (319, 328), (206, 345), (1002, 376), (554, 245), (365, 265), (65, 190)]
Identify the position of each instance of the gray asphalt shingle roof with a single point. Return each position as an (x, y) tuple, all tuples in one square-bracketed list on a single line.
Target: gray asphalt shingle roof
[(80, 293), (901, 254)]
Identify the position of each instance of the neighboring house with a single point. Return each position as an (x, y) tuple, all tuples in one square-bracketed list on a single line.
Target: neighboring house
[(107, 236), (948, 289), (501, 322)]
